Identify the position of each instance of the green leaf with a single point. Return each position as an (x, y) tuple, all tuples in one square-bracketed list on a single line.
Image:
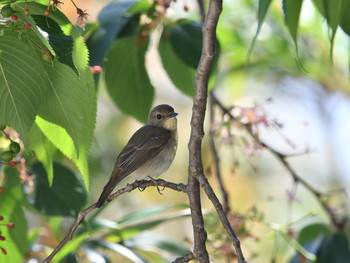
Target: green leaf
[(311, 238), (66, 101), (122, 250), (80, 52), (66, 197), (297, 246), (312, 232), (126, 77), (94, 255), (130, 218), (16, 243), (72, 246), (148, 240), (153, 257), (112, 19), (291, 9), (148, 212), (334, 12), (131, 226), (43, 148), (345, 23), (61, 44), (334, 249), (57, 134), (22, 81), (182, 75), (141, 6), (262, 11), (186, 41)]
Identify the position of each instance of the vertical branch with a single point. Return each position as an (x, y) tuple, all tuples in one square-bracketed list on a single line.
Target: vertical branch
[(225, 203), (197, 132)]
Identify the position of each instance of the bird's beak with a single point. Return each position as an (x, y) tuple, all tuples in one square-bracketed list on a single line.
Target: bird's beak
[(172, 115)]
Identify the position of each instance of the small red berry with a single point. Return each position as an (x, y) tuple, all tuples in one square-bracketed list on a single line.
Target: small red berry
[(28, 25), (3, 251), (47, 12), (2, 238), (165, 36), (144, 33), (10, 225), (14, 18), (48, 53), (1, 190), (96, 69), (1, 218), (26, 12), (12, 163)]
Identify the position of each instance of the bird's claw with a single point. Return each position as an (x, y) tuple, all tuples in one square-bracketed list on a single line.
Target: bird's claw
[(141, 188), (156, 185)]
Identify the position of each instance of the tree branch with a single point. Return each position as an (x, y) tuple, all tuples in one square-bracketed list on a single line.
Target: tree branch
[(197, 132), (196, 173), (336, 221), (225, 201), (142, 185), (186, 258)]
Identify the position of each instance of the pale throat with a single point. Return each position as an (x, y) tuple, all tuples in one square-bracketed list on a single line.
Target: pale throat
[(170, 124)]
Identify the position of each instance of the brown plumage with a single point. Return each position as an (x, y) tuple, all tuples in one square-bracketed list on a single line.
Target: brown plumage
[(148, 153)]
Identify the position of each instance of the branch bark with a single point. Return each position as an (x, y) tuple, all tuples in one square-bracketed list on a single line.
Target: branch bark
[(186, 258), (197, 132), (196, 174), (141, 185)]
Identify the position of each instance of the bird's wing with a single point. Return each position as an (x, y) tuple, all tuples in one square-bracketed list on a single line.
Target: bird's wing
[(146, 143)]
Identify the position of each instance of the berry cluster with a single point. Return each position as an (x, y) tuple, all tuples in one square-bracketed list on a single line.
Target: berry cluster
[(13, 22), (14, 148), (9, 225)]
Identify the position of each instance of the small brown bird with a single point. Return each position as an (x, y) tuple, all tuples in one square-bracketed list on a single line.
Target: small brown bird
[(148, 153)]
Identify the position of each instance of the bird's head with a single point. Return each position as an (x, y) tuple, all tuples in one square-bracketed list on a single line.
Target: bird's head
[(163, 116)]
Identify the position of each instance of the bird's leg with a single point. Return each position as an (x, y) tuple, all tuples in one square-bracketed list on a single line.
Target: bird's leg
[(156, 184)]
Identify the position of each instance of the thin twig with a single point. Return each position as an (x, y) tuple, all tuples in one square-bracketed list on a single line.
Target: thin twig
[(338, 223), (225, 201), (142, 184), (222, 216)]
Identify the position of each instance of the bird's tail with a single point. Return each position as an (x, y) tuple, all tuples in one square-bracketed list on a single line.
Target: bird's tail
[(107, 190)]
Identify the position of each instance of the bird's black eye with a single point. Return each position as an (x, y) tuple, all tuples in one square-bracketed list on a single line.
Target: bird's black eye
[(159, 116)]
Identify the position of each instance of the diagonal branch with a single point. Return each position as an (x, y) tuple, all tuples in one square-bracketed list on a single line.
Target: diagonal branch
[(142, 184), (336, 221), (186, 258)]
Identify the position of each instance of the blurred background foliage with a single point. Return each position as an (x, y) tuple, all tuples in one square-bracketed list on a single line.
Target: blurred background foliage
[(295, 100)]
